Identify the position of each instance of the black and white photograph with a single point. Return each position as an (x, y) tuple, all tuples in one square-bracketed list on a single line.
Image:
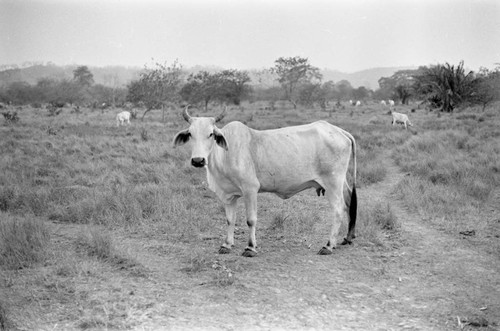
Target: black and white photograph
[(250, 165)]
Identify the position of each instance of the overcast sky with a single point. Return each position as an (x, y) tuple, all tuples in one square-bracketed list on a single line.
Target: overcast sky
[(346, 35)]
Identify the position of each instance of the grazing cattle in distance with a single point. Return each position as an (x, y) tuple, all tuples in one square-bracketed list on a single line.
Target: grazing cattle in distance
[(358, 103), (122, 118), (391, 103), (242, 162), (383, 103), (398, 118)]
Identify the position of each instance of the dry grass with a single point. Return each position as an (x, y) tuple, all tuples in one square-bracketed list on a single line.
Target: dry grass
[(453, 168), (130, 179), (23, 241)]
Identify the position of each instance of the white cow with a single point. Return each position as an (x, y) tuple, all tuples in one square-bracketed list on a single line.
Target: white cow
[(241, 162), (383, 103), (358, 103), (122, 118), (398, 118), (391, 103)]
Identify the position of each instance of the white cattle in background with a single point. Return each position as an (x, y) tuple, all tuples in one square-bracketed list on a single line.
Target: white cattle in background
[(391, 103), (383, 103), (398, 118), (358, 103), (122, 118)]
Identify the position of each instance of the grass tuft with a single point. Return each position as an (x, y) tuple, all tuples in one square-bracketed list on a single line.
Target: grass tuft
[(4, 320), (23, 242), (278, 222), (384, 217)]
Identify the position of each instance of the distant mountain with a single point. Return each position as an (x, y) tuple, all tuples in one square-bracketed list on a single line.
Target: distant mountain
[(119, 76), (115, 76), (367, 78)]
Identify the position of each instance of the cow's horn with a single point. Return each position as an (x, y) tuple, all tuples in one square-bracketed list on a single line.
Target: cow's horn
[(186, 115), (221, 115)]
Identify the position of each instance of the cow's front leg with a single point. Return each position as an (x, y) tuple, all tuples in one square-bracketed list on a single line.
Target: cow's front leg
[(231, 221), (251, 210)]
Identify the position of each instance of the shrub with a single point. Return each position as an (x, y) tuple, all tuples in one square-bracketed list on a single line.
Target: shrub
[(10, 117)]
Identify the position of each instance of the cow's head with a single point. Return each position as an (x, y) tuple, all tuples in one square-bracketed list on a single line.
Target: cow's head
[(203, 135)]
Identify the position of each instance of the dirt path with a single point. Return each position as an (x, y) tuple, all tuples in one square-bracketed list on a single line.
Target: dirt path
[(422, 280)]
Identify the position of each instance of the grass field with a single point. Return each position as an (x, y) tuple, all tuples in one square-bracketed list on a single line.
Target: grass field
[(87, 209)]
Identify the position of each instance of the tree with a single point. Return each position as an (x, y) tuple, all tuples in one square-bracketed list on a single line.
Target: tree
[(292, 72), (487, 88), (201, 87), (70, 92), (361, 93), (446, 86), (105, 94), (344, 90), (309, 93), (157, 86), (46, 89), (228, 86), (19, 93), (234, 86), (83, 77), (400, 86), (326, 93), (404, 81)]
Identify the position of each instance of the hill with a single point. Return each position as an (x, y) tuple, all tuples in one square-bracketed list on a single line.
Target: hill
[(120, 76), (114, 76), (367, 78)]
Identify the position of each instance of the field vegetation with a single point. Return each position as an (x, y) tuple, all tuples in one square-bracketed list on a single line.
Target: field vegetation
[(88, 210)]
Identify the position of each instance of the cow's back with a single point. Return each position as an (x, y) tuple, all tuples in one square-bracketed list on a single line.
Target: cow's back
[(284, 160)]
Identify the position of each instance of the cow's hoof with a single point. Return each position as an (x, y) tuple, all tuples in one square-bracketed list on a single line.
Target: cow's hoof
[(249, 253), (325, 251), (346, 242), (224, 250)]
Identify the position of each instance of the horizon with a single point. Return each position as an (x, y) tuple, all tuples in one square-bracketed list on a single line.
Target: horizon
[(28, 64), (346, 36)]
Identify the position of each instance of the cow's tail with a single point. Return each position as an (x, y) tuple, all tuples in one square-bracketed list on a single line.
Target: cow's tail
[(353, 205)]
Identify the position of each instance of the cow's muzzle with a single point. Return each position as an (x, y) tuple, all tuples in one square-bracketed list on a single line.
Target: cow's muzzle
[(198, 162)]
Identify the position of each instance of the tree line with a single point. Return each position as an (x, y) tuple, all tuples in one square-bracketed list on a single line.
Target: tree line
[(160, 86)]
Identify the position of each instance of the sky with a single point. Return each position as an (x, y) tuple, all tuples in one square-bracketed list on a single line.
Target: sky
[(344, 35)]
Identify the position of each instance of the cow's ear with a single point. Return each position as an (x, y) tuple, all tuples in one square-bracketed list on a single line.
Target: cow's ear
[(219, 138), (182, 137)]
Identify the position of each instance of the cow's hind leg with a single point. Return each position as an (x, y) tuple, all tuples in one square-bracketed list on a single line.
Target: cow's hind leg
[(231, 221), (251, 209), (353, 206), (336, 201)]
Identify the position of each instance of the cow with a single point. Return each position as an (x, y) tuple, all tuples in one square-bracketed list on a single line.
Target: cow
[(358, 103), (383, 103), (398, 118), (122, 118), (391, 103), (241, 162)]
